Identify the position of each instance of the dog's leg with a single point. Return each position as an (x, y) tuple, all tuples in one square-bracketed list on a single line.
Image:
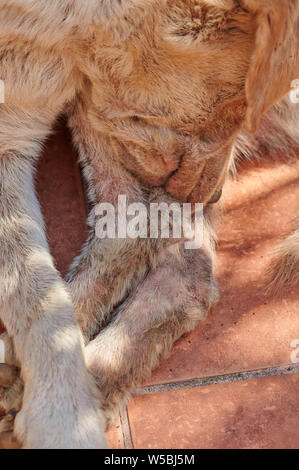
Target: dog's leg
[(107, 270), (172, 299), (60, 404)]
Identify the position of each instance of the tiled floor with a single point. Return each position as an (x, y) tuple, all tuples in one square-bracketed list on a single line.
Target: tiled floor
[(261, 413), (231, 383)]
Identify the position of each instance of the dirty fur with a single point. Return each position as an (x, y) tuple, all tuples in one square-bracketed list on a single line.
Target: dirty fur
[(162, 97)]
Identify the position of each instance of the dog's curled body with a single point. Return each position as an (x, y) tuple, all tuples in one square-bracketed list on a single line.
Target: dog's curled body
[(151, 120)]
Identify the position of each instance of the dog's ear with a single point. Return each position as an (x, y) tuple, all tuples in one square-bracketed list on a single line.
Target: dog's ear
[(275, 60)]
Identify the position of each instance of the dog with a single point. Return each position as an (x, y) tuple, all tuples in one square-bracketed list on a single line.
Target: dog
[(162, 96)]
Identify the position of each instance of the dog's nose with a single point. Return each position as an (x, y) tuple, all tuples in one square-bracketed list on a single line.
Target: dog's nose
[(216, 197)]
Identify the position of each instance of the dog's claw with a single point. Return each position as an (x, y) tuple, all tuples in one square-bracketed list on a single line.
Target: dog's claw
[(8, 375)]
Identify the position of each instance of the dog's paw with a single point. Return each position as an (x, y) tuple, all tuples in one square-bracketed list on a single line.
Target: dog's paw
[(66, 418), (38, 429), (7, 438)]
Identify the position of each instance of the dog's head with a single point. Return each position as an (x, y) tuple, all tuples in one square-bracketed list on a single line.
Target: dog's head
[(195, 72)]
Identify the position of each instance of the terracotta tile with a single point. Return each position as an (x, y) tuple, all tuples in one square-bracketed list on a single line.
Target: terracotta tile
[(262, 414), (115, 436), (250, 328), (60, 193)]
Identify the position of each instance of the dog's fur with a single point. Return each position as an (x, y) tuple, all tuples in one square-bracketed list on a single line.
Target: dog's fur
[(161, 96)]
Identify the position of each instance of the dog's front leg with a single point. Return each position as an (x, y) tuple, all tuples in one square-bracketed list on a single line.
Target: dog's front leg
[(173, 298), (60, 404), (107, 270)]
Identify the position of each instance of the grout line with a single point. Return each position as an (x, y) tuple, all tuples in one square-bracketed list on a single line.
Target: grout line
[(216, 380), (126, 429)]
